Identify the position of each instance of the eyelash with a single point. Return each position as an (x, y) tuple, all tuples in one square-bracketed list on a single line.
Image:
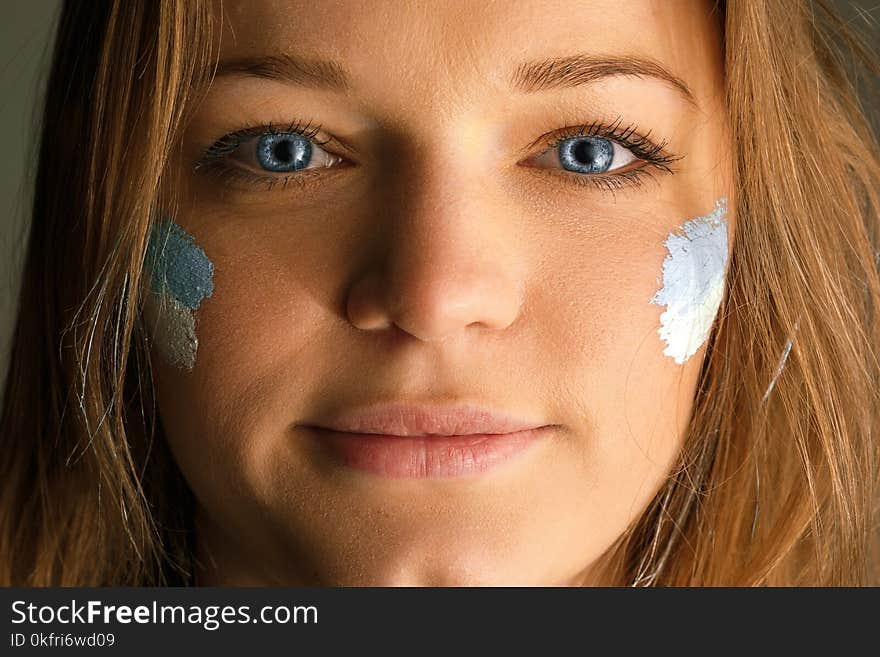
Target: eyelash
[(651, 154), (211, 161)]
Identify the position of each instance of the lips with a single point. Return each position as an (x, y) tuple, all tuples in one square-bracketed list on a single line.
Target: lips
[(426, 440), (428, 419)]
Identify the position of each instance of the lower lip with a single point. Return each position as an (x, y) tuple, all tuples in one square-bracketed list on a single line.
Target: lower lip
[(408, 457)]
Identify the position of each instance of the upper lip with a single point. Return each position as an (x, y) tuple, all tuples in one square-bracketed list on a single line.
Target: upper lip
[(422, 419)]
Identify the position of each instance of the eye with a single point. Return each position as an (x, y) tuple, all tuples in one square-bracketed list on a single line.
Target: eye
[(266, 156), (281, 152), (588, 154)]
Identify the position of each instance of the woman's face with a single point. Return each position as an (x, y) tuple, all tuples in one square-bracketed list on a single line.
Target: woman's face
[(469, 224)]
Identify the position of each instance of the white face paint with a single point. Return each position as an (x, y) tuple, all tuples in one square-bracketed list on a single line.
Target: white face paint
[(173, 327), (693, 282)]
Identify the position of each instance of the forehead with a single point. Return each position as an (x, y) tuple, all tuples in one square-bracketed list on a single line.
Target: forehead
[(467, 45)]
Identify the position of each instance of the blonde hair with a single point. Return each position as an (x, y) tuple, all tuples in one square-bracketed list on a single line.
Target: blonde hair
[(777, 483)]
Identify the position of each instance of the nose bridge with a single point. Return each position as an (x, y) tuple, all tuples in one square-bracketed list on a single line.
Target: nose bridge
[(440, 193), (448, 260)]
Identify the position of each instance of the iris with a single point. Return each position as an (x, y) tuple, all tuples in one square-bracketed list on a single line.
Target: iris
[(285, 151), (586, 154)]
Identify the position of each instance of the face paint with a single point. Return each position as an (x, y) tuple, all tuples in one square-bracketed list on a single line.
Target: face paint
[(181, 276), (693, 282)]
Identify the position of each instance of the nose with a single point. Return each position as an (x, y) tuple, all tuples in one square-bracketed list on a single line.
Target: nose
[(449, 263)]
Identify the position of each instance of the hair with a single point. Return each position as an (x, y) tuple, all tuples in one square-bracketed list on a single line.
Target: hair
[(777, 482)]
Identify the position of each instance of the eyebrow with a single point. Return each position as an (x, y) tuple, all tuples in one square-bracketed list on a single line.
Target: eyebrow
[(302, 71), (528, 77), (575, 70)]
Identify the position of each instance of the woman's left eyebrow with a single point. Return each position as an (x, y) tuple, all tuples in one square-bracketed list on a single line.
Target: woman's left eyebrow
[(575, 70)]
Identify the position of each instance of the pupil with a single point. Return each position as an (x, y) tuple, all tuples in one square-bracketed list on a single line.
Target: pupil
[(587, 151), (283, 151)]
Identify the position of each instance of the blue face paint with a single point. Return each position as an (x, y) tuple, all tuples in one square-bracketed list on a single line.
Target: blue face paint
[(181, 276), (177, 264)]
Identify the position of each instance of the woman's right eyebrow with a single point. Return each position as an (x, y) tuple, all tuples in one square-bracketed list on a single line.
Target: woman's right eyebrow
[(527, 77), (292, 69)]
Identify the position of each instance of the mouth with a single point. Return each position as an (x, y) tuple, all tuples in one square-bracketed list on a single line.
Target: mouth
[(426, 440), (405, 457)]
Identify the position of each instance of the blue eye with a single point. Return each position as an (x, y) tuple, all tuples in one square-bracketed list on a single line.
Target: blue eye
[(285, 151), (586, 154), (267, 154)]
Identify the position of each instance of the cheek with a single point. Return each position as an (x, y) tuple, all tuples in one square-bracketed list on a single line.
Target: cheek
[(626, 346), (263, 345), (613, 370), (258, 341)]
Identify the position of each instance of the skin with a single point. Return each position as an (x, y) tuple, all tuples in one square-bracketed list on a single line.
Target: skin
[(440, 264)]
